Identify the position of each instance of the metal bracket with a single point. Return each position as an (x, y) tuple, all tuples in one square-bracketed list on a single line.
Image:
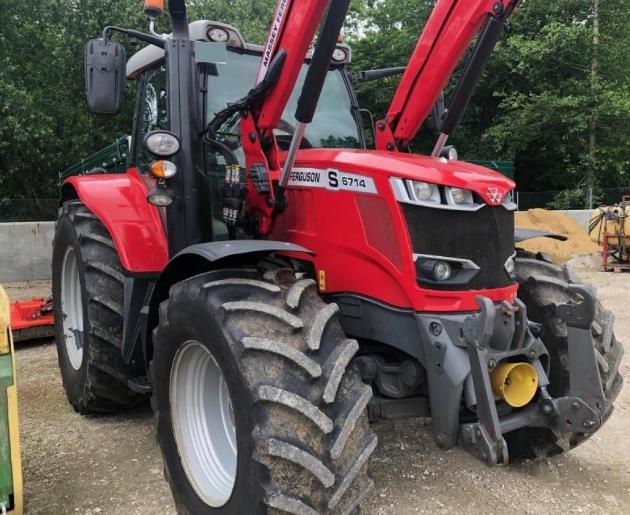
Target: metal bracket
[(483, 445), (483, 438), (585, 383), (437, 356), (578, 315), (521, 326), (573, 414)]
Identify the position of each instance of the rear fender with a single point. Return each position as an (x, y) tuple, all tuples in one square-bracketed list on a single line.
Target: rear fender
[(120, 203), (203, 257)]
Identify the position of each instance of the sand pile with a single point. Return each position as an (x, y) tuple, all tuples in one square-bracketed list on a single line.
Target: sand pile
[(578, 241)]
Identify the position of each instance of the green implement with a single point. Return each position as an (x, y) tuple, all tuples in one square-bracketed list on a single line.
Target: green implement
[(112, 159), (10, 465)]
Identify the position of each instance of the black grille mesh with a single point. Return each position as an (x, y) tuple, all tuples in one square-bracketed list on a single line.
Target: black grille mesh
[(485, 236)]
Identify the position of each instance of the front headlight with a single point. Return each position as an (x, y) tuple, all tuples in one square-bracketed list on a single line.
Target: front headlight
[(459, 197), (162, 143), (425, 192), (218, 35), (442, 271)]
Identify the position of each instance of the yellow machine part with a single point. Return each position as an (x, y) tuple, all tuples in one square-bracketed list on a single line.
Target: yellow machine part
[(6, 349), (616, 216), (515, 383)]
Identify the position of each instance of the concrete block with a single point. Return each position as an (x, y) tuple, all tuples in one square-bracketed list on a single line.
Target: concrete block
[(26, 251), (581, 216)]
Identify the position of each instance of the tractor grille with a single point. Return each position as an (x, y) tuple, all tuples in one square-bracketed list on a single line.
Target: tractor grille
[(485, 236)]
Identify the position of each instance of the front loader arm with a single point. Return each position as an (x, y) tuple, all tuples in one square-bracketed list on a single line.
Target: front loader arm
[(292, 31), (291, 35), (449, 31)]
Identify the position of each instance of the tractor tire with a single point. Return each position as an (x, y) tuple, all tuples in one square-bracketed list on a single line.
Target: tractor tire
[(542, 285), (87, 285), (295, 435)]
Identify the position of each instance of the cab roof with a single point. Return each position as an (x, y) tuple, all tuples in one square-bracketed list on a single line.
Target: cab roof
[(151, 55)]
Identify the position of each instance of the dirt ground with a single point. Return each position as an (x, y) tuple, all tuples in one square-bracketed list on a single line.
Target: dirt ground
[(74, 464)]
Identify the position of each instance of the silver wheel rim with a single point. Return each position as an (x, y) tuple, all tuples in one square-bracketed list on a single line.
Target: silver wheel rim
[(203, 423), (72, 308)]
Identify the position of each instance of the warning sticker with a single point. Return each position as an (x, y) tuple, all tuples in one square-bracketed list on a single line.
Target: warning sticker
[(331, 180)]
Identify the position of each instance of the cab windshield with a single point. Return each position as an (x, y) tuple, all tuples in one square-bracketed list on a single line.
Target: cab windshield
[(333, 126)]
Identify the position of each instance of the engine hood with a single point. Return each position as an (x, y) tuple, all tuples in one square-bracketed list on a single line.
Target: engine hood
[(460, 174)]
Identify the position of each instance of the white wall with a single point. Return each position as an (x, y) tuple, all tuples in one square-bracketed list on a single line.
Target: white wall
[(26, 248), (581, 216), (25, 251)]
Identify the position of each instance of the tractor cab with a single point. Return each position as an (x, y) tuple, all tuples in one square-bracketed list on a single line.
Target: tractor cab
[(337, 122)]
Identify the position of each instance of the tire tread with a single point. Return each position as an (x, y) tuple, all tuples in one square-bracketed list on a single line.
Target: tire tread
[(308, 400), (105, 388)]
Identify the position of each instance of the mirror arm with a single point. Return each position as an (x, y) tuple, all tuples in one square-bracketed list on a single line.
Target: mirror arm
[(147, 38), (368, 75)]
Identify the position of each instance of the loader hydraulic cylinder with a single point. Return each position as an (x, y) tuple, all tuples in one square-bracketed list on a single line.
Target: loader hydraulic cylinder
[(468, 81), (314, 83)]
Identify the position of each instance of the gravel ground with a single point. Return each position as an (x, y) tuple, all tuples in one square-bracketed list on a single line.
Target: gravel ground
[(90, 465)]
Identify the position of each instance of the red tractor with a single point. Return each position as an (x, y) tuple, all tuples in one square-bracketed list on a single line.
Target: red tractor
[(273, 285)]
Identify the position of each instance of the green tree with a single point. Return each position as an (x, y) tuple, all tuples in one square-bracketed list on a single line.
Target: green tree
[(538, 103), (537, 100), (45, 126), (550, 101)]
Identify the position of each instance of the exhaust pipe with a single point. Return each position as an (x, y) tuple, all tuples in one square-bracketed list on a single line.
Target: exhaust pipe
[(515, 383)]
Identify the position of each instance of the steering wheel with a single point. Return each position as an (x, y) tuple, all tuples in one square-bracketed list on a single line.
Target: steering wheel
[(284, 142)]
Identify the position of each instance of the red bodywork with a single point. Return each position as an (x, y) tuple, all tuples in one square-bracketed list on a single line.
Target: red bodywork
[(120, 203), (370, 259), (360, 240)]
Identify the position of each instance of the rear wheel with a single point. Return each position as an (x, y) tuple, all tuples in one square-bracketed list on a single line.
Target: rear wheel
[(88, 307), (257, 409), (542, 286)]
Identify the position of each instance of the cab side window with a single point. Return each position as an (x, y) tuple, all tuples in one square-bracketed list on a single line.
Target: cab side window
[(152, 113)]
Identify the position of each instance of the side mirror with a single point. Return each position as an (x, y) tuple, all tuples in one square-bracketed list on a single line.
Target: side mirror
[(105, 75)]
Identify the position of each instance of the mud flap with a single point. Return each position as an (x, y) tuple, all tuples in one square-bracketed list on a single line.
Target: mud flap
[(10, 463)]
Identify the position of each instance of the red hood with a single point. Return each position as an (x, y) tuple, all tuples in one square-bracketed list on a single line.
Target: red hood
[(459, 174)]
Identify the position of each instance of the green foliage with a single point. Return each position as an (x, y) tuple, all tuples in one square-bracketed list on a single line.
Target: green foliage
[(574, 198), (543, 98), (44, 125), (535, 100), (534, 105)]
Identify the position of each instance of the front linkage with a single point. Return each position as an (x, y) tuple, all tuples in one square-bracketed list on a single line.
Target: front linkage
[(482, 340)]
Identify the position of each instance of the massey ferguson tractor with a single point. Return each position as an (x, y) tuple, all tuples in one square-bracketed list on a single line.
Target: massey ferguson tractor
[(272, 285)]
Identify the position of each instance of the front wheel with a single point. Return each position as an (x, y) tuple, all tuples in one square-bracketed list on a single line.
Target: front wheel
[(257, 408), (542, 286)]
